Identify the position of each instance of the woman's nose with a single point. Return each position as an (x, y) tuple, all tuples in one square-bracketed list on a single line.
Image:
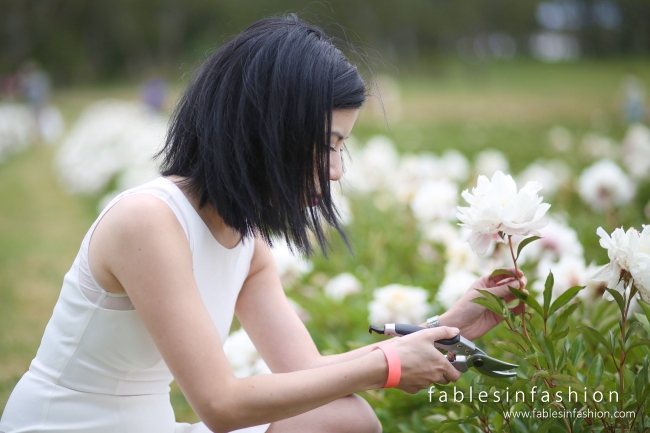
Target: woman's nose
[(336, 166)]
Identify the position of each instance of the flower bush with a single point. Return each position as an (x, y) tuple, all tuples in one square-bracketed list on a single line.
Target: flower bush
[(412, 260)]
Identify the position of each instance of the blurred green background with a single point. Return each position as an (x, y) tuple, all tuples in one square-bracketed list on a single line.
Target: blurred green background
[(466, 75)]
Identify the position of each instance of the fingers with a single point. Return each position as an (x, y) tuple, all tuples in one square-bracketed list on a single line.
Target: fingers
[(503, 291), (518, 309), (451, 373), (442, 332)]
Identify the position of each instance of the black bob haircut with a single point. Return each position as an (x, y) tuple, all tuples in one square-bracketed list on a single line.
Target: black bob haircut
[(251, 133)]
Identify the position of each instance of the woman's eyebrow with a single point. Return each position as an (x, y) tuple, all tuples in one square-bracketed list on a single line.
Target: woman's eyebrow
[(339, 135)]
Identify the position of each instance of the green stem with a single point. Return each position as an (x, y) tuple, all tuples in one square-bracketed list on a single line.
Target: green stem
[(521, 287)]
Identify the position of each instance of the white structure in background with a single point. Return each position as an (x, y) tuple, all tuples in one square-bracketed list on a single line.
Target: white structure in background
[(111, 138), (554, 47), (489, 161), (604, 185), (396, 303), (636, 151), (341, 286), (243, 356), (290, 266)]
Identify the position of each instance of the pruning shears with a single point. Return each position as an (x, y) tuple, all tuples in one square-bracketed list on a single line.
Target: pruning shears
[(461, 352)]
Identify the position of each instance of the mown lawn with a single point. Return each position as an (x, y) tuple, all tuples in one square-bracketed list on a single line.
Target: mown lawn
[(506, 106)]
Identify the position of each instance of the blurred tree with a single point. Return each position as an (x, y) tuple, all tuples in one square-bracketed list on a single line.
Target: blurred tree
[(89, 41)]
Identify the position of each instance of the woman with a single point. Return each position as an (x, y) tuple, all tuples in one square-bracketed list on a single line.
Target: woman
[(150, 297)]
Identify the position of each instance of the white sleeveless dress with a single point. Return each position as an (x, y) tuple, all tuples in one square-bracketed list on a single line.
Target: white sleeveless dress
[(97, 369)]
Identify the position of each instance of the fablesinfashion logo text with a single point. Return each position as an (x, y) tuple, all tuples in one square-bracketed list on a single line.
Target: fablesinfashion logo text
[(531, 396)]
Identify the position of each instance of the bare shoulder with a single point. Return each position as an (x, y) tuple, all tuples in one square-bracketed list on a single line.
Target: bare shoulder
[(262, 257), (138, 227)]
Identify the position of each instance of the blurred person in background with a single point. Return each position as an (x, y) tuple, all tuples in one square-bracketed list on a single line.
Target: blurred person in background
[(154, 94), (35, 86), (634, 105), (251, 150)]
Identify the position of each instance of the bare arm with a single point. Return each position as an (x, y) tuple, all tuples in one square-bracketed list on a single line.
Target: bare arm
[(148, 253)]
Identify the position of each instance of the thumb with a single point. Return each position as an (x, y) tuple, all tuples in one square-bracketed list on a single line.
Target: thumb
[(443, 332)]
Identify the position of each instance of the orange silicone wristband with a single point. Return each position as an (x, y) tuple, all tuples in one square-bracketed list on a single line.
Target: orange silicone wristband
[(394, 365)]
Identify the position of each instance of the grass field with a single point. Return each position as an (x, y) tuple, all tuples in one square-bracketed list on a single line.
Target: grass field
[(507, 106)]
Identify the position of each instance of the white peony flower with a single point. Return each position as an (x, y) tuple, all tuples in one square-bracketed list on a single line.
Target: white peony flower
[(441, 232), (399, 304), (453, 166), (290, 267), (496, 206), (110, 137), (460, 256), (551, 174), (628, 252), (604, 185), (560, 138), (489, 162), (568, 272), (341, 286), (558, 240), (599, 146), (243, 356), (453, 287), (435, 200), (636, 151), (412, 172), (18, 129), (373, 166)]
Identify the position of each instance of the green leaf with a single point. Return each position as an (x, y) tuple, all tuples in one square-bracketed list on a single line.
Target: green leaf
[(618, 298), (525, 242), (633, 329), (527, 299), (562, 359), (549, 352), (487, 303), (595, 373), (545, 425), (577, 347), (564, 298), (564, 317), (598, 337), (646, 308), (556, 335), (548, 293), (509, 347), (640, 342), (494, 298), (498, 272)]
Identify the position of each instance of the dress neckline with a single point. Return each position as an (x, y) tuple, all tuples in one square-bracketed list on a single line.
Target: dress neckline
[(205, 226)]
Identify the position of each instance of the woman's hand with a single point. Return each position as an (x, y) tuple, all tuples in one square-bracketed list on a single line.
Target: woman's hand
[(423, 364), (474, 320)]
